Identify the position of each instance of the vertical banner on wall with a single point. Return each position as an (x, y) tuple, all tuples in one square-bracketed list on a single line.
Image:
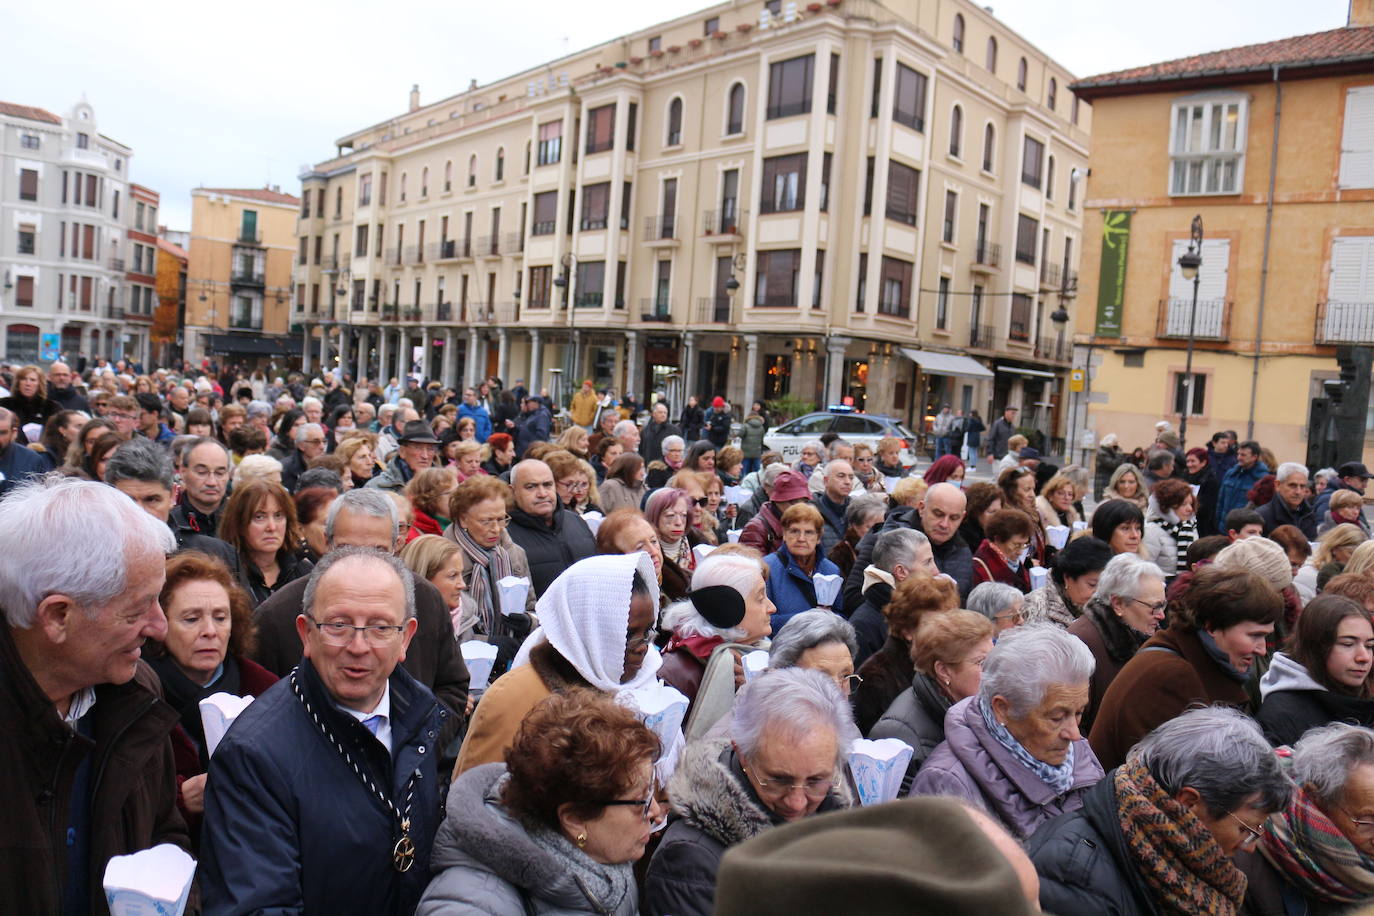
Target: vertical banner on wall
[(1111, 278)]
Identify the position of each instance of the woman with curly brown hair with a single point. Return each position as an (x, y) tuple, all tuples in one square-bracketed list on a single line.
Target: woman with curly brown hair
[(518, 840), (210, 634)]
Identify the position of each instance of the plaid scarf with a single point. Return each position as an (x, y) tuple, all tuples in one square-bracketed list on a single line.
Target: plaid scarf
[(1172, 849), (1308, 849), (492, 566)]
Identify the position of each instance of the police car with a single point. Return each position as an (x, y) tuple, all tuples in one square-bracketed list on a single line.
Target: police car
[(854, 427)]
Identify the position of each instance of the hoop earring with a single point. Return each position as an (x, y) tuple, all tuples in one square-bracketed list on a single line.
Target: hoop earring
[(581, 840)]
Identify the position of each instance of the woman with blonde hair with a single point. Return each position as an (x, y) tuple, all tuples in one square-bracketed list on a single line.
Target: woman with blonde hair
[(359, 453), (439, 561), (1333, 552), (574, 439), (1129, 484), (1055, 504), (1361, 560), (910, 491), (29, 400), (467, 459), (574, 480), (257, 467)]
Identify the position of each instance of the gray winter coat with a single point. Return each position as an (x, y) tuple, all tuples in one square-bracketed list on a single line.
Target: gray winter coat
[(714, 808), (917, 717), (484, 861), (973, 765)]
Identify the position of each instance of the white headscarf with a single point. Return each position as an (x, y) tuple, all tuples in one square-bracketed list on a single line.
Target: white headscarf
[(585, 613)]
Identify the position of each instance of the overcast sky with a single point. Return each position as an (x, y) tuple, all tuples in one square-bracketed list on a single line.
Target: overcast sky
[(243, 95)]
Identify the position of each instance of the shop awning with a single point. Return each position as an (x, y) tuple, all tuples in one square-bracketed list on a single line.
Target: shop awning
[(1038, 373), (946, 363)]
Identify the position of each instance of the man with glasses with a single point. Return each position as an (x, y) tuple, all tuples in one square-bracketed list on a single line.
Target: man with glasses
[(125, 412), (416, 450), (61, 390), (310, 444), (205, 483), (791, 730), (552, 537), (833, 501), (18, 462), (1290, 505), (324, 796)]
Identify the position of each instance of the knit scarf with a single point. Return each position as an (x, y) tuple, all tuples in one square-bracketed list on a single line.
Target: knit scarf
[(1184, 534), (493, 566), (604, 885), (680, 552), (1172, 849), (1310, 851), (1059, 778)]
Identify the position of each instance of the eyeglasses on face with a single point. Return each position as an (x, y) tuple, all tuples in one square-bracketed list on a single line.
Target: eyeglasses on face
[(813, 788), (799, 534), (576, 486), (634, 642), (1253, 834), (341, 634), (1362, 827), (645, 804), (1154, 608), (500, 522)]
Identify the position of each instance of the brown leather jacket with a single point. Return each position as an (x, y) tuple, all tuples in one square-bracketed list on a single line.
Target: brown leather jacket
[(133, 783)]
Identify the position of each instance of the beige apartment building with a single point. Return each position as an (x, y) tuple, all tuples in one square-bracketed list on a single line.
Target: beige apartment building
[(238, 276), (840, 200)]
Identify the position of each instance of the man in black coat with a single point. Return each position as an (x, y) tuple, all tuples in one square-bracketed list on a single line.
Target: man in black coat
[(368, 518), (897, 554), (938, 517), (552, 537), (655, 431), (1002, 429), (61, 390), (324, 796), (1289, 506)]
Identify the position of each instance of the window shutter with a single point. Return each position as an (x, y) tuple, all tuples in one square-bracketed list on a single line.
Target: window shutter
[(1216, 260), (1357, 140), (1351, 274)]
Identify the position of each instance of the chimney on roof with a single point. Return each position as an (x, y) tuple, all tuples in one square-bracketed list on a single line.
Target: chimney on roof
[(1361, 14), (415, 97)]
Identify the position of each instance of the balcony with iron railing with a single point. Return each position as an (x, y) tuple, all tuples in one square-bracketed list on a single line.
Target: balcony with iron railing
[(115, 263), (1018, 331), (390, 312), (589, 300), (1055, 349), (987, 256), (1212, 321), (411, 313), (660, 230), (247, 278), (1049, 275), (1344, 323), (443, 311), (656, 310), (415, 254), (248, 236), (722, 226), (980, 337), (514, 243), (393, 256), (715, 310)]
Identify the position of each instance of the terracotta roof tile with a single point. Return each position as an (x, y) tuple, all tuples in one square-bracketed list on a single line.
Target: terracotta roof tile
[(28, 111), (172, 248), (1322, 48), (266, 195)]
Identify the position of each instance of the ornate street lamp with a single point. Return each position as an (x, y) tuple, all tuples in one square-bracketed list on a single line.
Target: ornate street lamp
[(1189, 263)]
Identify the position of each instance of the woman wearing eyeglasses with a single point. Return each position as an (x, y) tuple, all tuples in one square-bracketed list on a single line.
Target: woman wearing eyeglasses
[(478, 510), (670, 511), (575, 481), (1159, 833), (790, 731), (518, 841), (1004, 555), (791, 566)]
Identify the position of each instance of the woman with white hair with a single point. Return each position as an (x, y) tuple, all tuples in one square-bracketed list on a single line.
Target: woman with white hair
[(789, 735), (1316, 855), (1157, 835), (818, 640), (728, 605), (998, 602), (1014, 749)]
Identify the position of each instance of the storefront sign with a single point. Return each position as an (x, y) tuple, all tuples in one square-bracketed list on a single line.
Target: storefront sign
[(1111, 278)]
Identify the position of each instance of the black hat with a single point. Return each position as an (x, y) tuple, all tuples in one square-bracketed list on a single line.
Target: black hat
[(1353, 469), (721, 605), (417, 431)]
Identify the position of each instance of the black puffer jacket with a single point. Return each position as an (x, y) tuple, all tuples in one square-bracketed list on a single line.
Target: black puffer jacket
[(1084, 864), (551, 549), (1294, 702), (953, 557), (870, 621), (714, 808), (917, 717)]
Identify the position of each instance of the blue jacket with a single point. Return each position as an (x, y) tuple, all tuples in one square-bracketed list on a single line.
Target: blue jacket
[(290, 828), (19, 463), (530, 428), (791, 590), (480, 416), (1234, 486)]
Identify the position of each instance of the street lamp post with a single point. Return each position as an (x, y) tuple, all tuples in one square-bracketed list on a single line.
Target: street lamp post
[(1188, 263), (562, 281)]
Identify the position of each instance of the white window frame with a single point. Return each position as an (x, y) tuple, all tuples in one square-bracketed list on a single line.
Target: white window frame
[(1357, 139), (1208, 157)]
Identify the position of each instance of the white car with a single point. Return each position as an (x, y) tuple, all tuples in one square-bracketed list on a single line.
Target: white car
[(788, 439)]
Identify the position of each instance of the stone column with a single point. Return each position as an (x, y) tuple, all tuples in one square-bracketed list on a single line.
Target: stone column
[(503, 355), (305, 351), (426, 354), (450, 369), (689, 367), (474, 355), (383, 356), (632, 362), (344, 341), (834, 369), (364, 355), (751, 372), (536, 362)]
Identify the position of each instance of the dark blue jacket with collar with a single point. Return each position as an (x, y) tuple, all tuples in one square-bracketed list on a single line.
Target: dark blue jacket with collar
[(290, 828)]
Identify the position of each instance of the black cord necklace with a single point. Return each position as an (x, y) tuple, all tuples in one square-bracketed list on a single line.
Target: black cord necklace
[(403, 853)]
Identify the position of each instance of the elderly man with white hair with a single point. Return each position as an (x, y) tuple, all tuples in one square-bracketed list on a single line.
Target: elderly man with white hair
[(627, 434), (1290, 504), (789, 735), (86, 768), (898, 554), (310, 444), (1014, 749)]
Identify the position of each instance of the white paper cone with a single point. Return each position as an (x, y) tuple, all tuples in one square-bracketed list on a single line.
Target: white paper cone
[(754, 663), (733, 536), (151, 881), (827, 588), (702, 551), (513, 590), (878, 768), (1058, 536), (480, 657), (217, 712)]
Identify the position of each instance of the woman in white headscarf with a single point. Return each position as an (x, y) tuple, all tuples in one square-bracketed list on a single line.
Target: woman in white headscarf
[(596, 630)]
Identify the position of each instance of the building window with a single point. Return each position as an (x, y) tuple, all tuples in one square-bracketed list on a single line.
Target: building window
[(31, 141), (656, 44), (23, 291), (305, 250), (1052, 94), (862, 290), (1049, 178), (601, 128), (668, 225), (909, 100), (360, 241), (875, 105), (663, 287), (991, 61), (364, 192), (545, 213), (989, 144), (305, 204), (1357, 139), (868, 187), (83, 141), (591, 284), (596, 202), (1027, 228), (1018, 328), (500, 173), (825, 182), (674, 123), (729, 202), (958, 41), (550, 143), (404, 181), (28, 184), (1032, 161), (903, 192), (894, 297), (541, 281), (784, 183), (711, 27), (775, 284), (942, 305), (27, 238), (951, 209), (832, 87), (1208, 146), (789, 87), (1073, 111), (956, 131), (1073, 188), (424, 182), (472, 171), (528, 146), (1021, 75), (734, 118), (631, 123), (1199, 398), (819, 278)]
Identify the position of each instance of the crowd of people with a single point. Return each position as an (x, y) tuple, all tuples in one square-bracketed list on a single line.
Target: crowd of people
[(1151, 699)]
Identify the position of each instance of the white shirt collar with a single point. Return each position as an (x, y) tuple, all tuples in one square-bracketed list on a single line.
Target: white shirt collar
[(382, 709), (81, 703)]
